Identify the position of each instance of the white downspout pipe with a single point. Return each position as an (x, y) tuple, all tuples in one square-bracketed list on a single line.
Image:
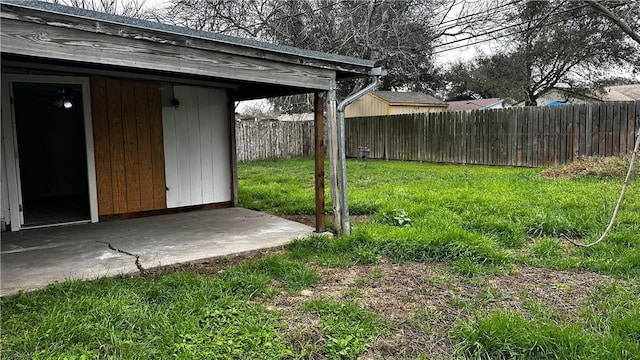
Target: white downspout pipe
[(375, 74)]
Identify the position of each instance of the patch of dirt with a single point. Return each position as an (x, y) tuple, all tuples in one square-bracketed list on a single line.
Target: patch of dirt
[(527, 249), (611, 166), (311, 219), (214, 265), (421, 301)]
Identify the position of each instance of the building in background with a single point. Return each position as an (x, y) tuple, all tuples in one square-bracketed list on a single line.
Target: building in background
[(379, 103), (479, 104), (561, 96)]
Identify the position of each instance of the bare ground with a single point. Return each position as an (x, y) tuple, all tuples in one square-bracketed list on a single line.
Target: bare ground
[(311, 219), (420, 301), (423, 301)]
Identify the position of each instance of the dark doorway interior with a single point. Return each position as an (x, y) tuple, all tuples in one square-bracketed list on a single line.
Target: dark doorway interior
[(52, 153)]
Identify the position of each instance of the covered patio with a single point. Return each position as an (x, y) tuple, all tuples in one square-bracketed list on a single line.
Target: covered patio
[(109, 117), (31, 259)]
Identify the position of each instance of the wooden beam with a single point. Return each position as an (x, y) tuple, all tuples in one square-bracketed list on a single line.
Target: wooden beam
[(319, 157), (334, 160), (50, 67), (51, 42), (239, 90)]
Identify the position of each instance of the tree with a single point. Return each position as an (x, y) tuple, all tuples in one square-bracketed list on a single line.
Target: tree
[(620, 22), (131, 8), (398, 34), (241, 18), (292, 104), (551, 43), (475, 80), (257, 109)]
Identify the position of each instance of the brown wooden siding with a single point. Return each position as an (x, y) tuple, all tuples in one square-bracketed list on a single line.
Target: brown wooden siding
[(408, 109), (127, 135), (371, 105), (367, 105)]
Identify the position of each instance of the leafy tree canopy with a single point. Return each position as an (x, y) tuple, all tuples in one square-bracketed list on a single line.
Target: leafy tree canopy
[(549, 43)]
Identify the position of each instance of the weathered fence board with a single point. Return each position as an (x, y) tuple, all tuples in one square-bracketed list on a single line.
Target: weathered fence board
[(268, 140), (536, 136)]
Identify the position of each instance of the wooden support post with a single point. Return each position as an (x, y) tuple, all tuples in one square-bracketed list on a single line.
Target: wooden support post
[(334, 159), (231, 108), (319, 157)]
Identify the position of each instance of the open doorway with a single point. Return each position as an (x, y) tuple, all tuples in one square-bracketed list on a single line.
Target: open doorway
[(49, 122)]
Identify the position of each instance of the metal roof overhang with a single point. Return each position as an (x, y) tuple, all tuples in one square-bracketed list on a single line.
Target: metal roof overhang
[(50, 37)]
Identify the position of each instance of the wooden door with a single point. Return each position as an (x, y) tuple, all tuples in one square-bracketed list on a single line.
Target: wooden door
[(128, 145)]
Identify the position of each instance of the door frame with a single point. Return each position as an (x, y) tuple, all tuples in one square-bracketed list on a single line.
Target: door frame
[(10, 140)]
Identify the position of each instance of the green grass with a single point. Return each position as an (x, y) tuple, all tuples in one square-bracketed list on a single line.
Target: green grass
[(347, 327), (179, 315), (479, 221), (608, 328), (490, 216)]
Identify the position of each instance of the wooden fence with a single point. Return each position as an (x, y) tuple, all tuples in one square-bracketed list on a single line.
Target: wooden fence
[(268, 139), (532, 136)]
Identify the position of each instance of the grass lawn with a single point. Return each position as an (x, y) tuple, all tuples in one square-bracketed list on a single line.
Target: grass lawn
[(443, 261)]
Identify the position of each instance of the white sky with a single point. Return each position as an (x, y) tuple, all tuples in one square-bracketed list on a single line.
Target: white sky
[(150, 4)]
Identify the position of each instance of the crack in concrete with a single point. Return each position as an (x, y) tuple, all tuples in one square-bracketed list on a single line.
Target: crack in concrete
[(142, 270)]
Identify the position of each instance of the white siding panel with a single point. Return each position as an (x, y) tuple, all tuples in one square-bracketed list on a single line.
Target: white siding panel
[(182, 149), (206, 106), (221, 152), (170, 156), (197, 154)]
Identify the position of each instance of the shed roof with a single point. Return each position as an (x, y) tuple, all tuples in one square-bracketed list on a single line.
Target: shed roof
[(622, 93), (178, 30), (52, 39), (399, 98), (474, 104)]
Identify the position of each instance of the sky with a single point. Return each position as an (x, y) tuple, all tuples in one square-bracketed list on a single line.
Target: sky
[(443, 58), (149, 4)]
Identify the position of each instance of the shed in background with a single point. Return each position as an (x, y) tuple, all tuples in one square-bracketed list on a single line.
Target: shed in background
[(380, 103)]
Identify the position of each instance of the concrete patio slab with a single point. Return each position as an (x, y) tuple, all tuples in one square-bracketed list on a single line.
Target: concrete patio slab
[(31, 259)]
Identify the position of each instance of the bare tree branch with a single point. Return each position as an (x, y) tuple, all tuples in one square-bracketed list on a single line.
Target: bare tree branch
[(621, 23)]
